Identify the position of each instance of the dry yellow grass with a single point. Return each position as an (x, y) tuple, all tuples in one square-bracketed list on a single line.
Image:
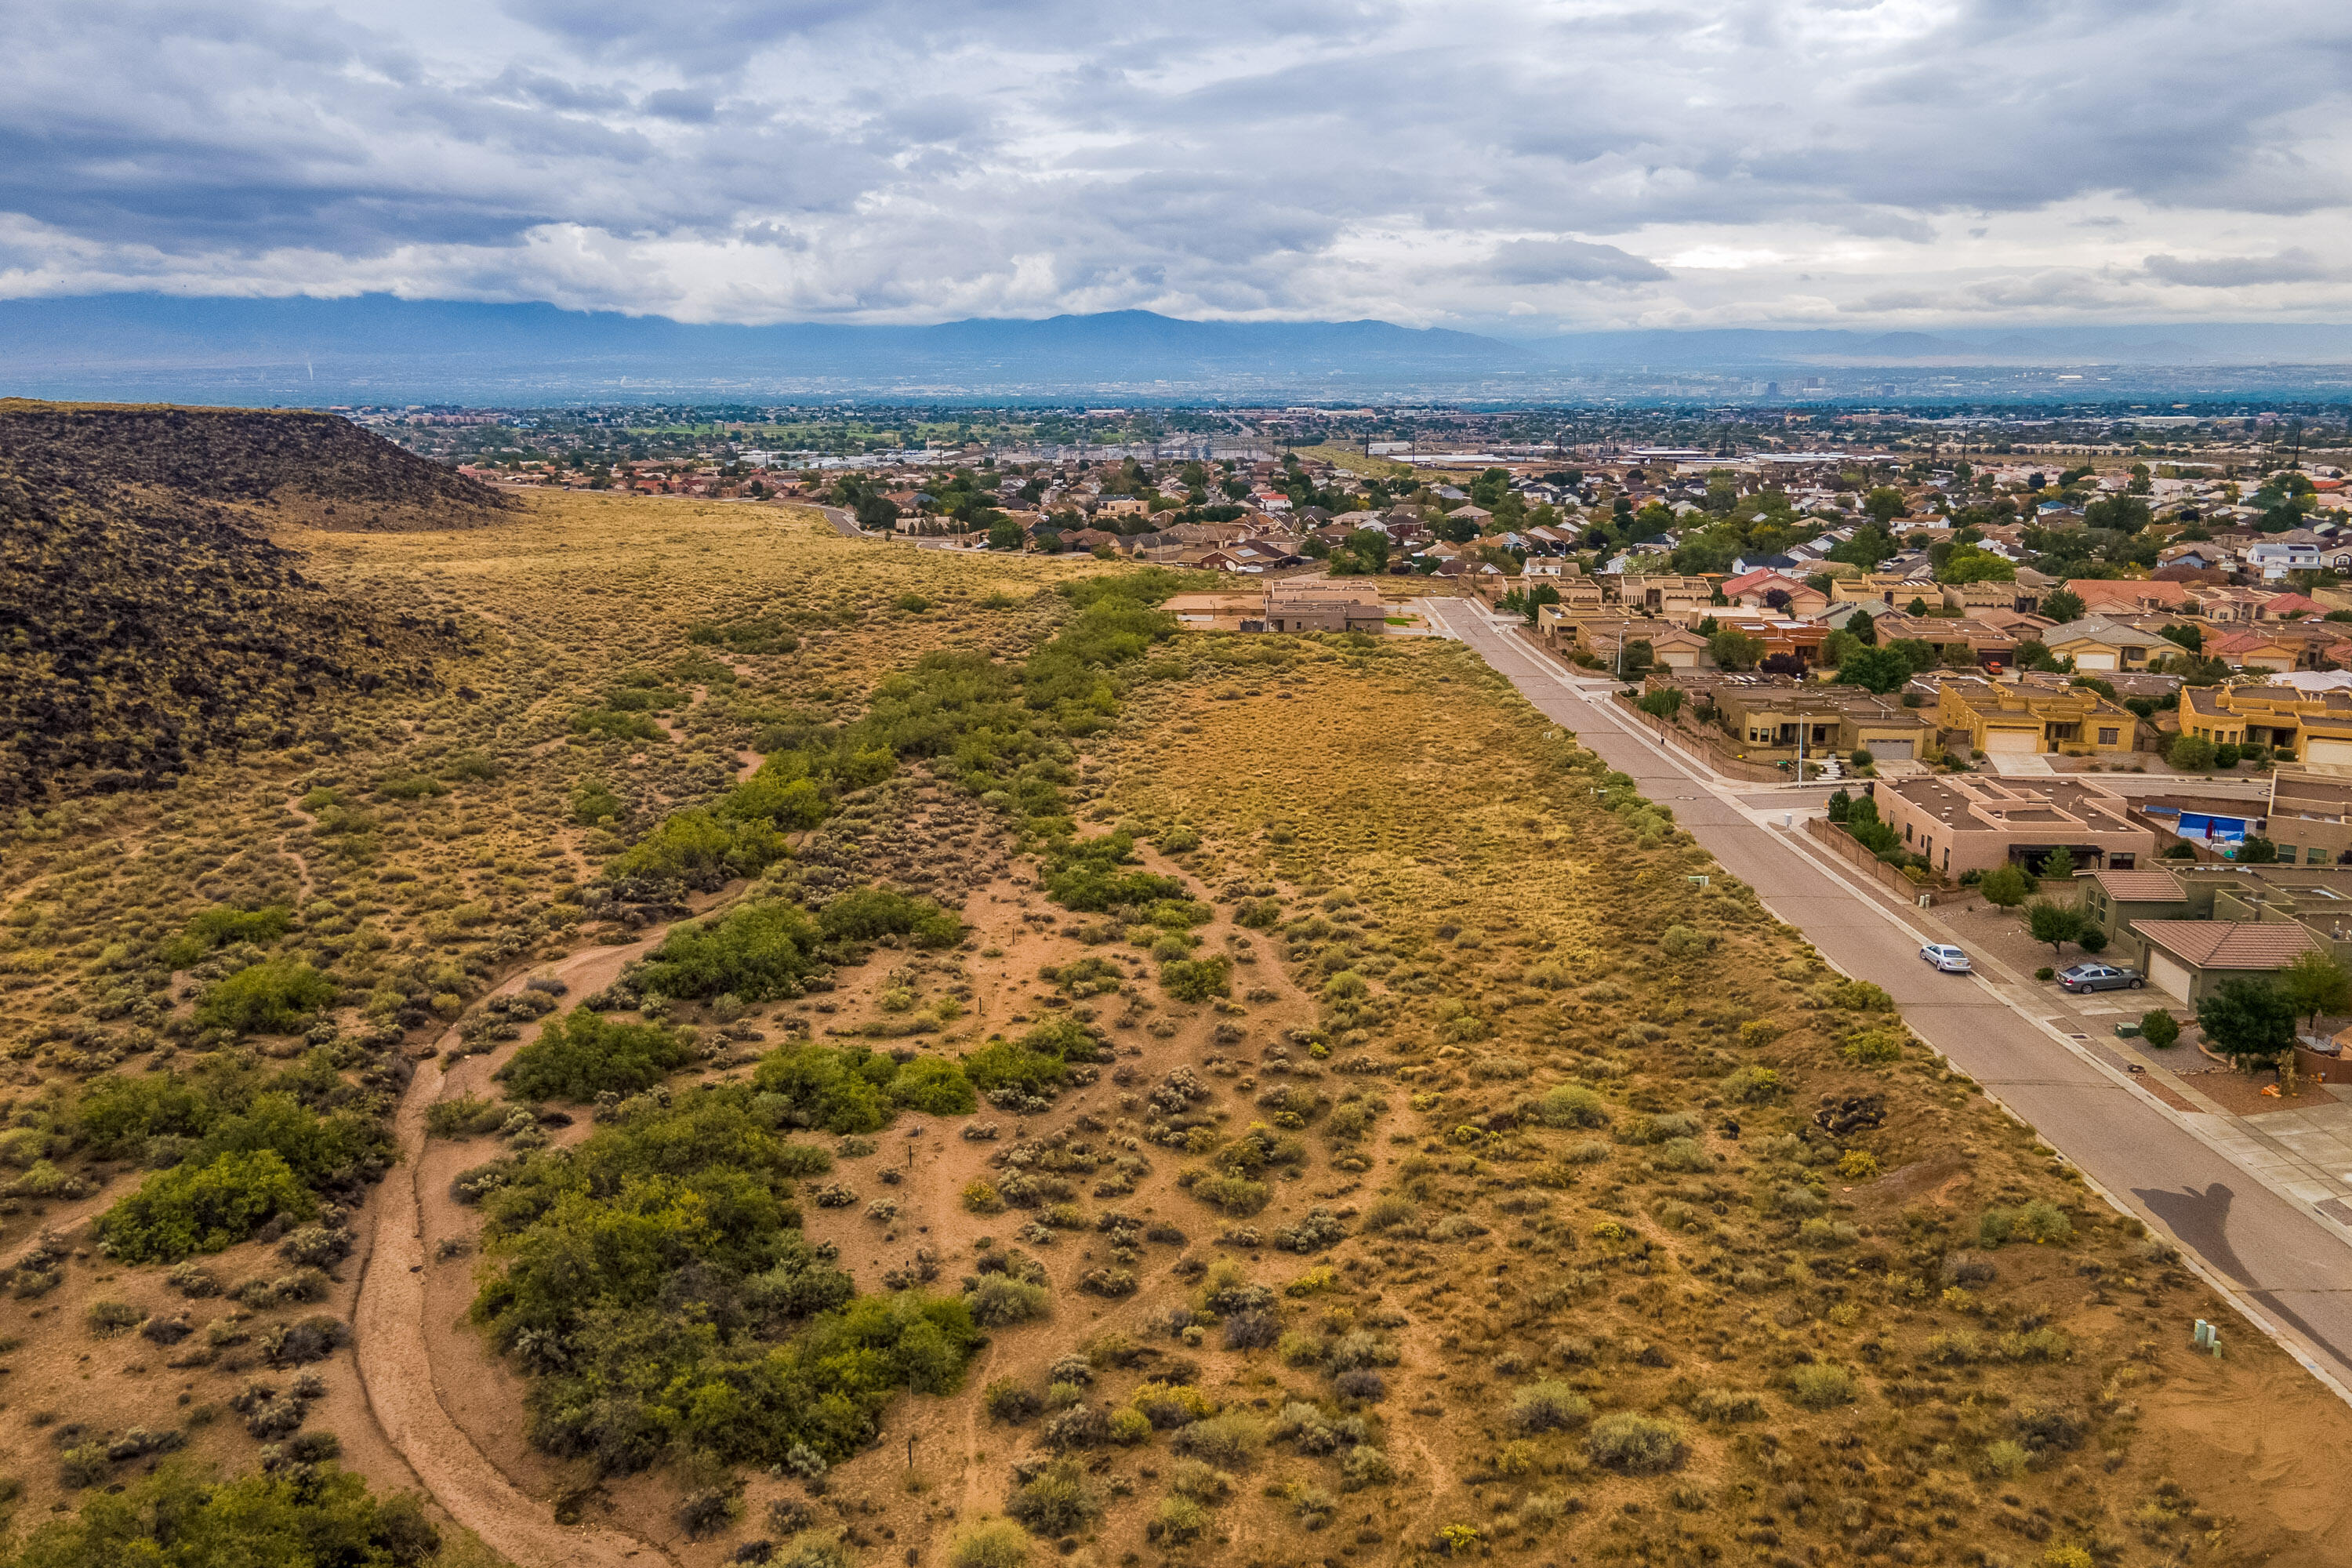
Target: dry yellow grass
[(1473, 988)]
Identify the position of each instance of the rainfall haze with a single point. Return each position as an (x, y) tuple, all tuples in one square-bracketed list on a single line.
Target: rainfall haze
[(1518, 170)]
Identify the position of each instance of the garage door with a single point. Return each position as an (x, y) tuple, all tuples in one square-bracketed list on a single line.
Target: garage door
[(2006, 741), (2168, 975), (2322, 750), (1890, 751), (2095, 658)]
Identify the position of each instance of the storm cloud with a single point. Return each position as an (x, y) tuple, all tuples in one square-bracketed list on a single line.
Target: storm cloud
[(1550, 165)]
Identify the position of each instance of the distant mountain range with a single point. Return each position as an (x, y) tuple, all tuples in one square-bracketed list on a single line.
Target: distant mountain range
[(378, 349)]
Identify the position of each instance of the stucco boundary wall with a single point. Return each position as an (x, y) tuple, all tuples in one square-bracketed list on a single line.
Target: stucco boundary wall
[(1846, 848), (1702, 750)]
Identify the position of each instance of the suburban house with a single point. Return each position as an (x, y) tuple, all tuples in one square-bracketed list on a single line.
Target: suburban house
[(2185, 959), (1604, 637), (1294, 606), (1971, 597), (2097, 645), (1777, 634), (1218, 612), (2314, 727), (2033, 715), (1769, 590), (1880, 585), (1325, 605), (1957, 640), (2311, 815), (1964, 823), (1674, 597), (2126, 595), (2280, 646), (2188, 928), (1774, 716), (2272, 559)]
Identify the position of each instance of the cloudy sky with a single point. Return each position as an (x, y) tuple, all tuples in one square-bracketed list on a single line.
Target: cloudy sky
[(1528, 167)]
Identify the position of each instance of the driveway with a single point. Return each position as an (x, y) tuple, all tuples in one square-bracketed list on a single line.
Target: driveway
[(2292, 1267)]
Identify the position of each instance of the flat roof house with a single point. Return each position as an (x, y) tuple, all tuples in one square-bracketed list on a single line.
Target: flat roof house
[(2031, 717), (1964, 823), (1771, 716)]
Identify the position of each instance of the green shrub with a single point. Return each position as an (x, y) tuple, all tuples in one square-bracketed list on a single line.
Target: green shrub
[(1197, 979), (225, 927), (1226, 1440), (981, 1197), (698, 850), (991, 1544), (1572, 1105), (869, 914), (1549, 1407), (2160, 1028), (1235, 1194), (583, 1054), (1035, 1063), (111, 1320), (1874, 1047), (850, 1089), (654, 1280), (592, 800), (1818, 1386), (615, 724), (999, 1299), (1086, 875), (1637, 1443), (1751, 1086), (1056, 1501), (177, 1517), (277, 997), (202, 1208), (934, 1087), (784, 798), (757, 952), (467, 1116)]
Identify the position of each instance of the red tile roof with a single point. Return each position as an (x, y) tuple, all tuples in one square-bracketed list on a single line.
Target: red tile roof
[(2230, 944)]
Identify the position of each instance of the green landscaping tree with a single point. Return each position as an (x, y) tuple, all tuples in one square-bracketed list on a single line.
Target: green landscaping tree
[(2053, 923), (1876, 670), (2257, 850), (2160, 1028), (2189, 753), (2059, 867), (1735, 650), (2061, 606), (2316, 984), (2006, 887), (2249, 1021)]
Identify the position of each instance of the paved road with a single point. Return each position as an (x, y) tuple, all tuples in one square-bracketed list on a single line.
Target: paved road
[(846, 526), (2292, 1267)]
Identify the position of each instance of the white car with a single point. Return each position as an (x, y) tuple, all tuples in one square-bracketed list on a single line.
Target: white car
[(1946, 957)]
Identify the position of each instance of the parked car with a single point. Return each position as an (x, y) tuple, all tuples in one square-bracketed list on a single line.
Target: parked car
[(1946, 957), (2100, 977)]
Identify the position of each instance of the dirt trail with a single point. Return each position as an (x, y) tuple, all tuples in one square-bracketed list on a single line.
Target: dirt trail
[(396, 1369), (301, 862)]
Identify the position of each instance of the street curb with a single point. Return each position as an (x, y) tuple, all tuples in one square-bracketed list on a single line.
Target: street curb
[(2305, 1357)]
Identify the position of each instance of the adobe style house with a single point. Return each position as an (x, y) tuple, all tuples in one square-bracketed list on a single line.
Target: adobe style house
[(1974, 822), (1674, 597), (1295, 606), (2312, 727), (1769, 718), (2034, 716), (2311, 815)]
